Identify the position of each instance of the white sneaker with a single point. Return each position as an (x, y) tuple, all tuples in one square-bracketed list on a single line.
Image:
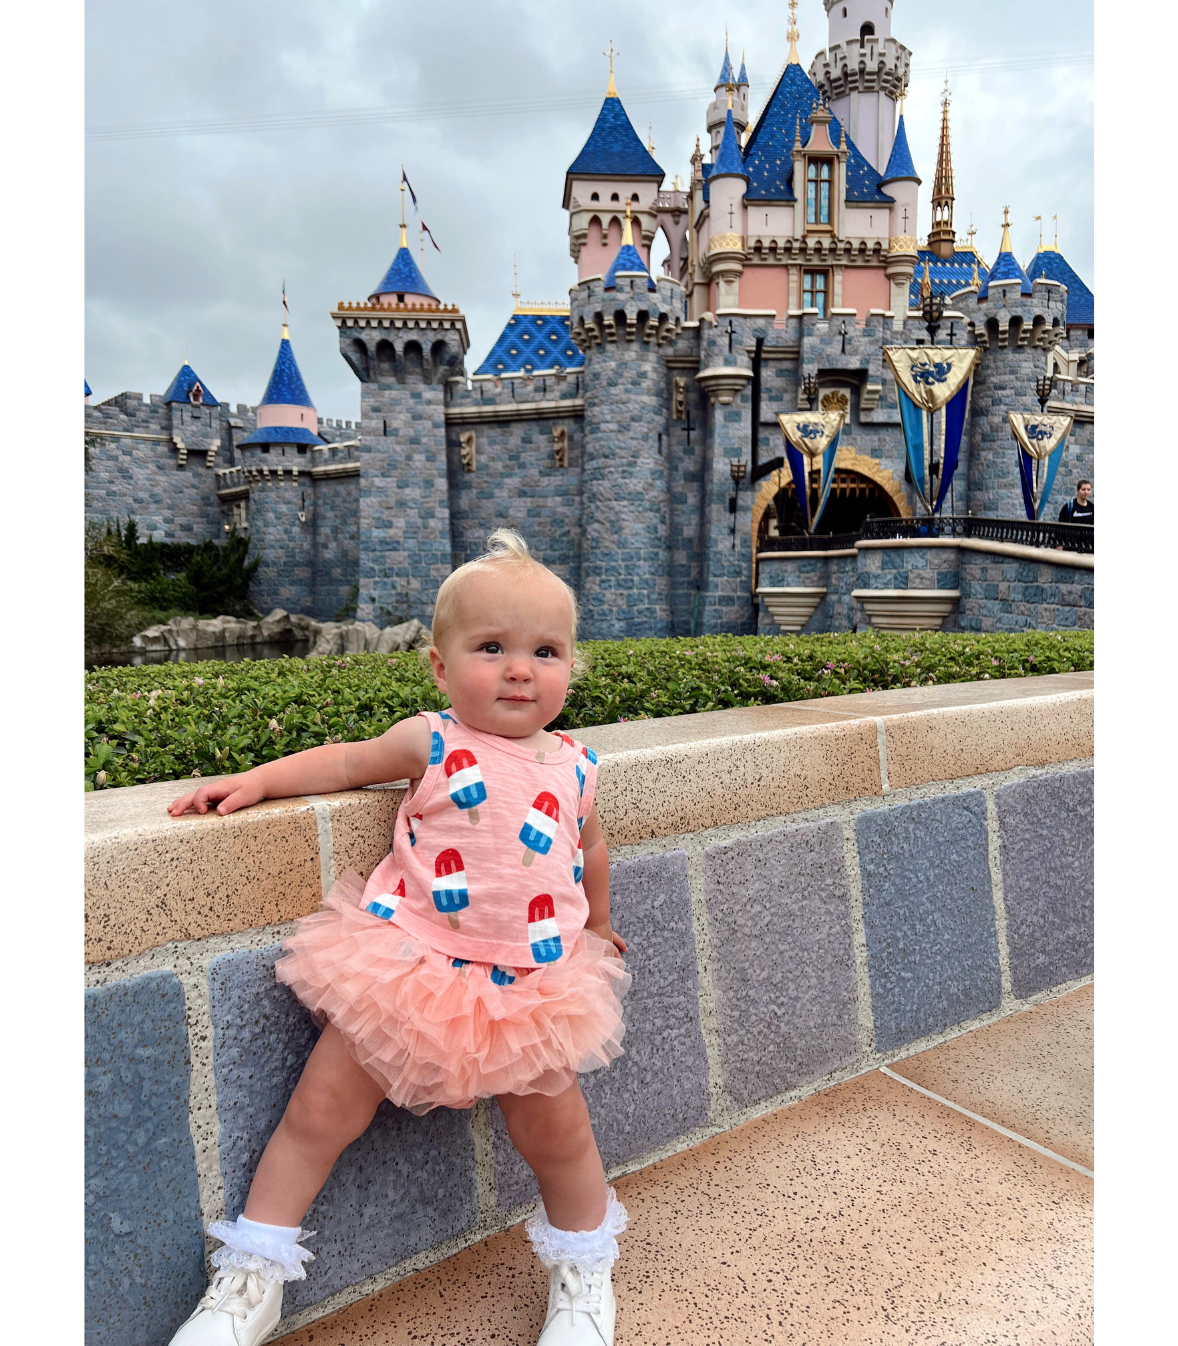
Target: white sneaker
[(581, 1308), (240, 1308)]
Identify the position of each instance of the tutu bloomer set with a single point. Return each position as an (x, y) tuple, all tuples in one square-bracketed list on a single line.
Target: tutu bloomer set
[(463, 969)]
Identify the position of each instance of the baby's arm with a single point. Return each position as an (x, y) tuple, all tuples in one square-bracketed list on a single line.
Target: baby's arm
[(596, 881), (399, 753)]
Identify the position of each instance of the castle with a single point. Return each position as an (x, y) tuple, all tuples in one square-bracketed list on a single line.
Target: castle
[(608, 431)]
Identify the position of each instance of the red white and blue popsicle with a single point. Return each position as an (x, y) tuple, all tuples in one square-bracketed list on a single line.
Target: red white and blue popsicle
[(450, 891), (543, 933), (578, 862), (466, 782), (384, 905), (539, 827)]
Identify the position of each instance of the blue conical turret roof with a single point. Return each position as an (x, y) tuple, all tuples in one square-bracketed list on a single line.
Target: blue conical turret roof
[(1049, 264), (900, 163), (728, 160), (1005, 267), (404, 276), (613, 148), (725, 71), (180, 388), (742, 80), (286, 385)]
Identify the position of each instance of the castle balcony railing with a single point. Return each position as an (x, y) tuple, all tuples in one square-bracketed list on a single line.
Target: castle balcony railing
[(1069, 537)]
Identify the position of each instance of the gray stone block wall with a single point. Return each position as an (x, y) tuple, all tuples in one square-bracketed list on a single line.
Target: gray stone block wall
[(1000, 593), (336, 553), (284, 543)]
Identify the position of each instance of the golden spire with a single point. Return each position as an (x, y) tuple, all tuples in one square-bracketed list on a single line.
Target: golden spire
[(941, 236), (627, 232), (1040, 219), (730, 98), (404, 240), (926, 287), (792, 34), (975, 279), (650, 136), (514, 280), (1055, 245), (611, 92), (1004, 246), (903, 93)]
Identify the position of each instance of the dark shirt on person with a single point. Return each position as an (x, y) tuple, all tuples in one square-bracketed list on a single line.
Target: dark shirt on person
[(1074, 512)]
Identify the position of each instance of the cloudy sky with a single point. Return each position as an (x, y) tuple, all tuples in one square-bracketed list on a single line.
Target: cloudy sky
[(232, 146)]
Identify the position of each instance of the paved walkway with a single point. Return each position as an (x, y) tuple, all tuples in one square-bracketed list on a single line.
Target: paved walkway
[(879, 1211)]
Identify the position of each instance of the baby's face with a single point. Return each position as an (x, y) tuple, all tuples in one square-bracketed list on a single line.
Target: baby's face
[(509, 652)]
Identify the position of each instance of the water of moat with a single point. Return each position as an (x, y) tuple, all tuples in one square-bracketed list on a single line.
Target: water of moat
[(230, 654)]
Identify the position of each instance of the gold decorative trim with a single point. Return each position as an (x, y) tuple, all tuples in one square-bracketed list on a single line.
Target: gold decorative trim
[(726, 243), (902, 243)]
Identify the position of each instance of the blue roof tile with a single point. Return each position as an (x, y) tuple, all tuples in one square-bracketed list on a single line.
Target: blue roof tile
[(281, 434), (947, 275), (725, 71), (707, 172), (180, 388), (613, 148), (900, 163), (404, 277), (286, 384), (728, 158), (628, 259), (768, 154), (1050, 265), (531, 342)]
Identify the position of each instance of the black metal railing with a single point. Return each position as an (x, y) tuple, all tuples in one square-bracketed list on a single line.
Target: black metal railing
[(1072, 537)]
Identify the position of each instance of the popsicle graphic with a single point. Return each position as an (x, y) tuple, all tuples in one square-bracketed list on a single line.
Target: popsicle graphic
[(412, 834), (543, 934), (450, 893), (578, 863), (437, 746), (466, 782), (540, 826), (384, 905), (502, 976)]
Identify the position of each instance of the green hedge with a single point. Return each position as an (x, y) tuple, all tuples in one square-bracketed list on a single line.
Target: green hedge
[(165, 721)]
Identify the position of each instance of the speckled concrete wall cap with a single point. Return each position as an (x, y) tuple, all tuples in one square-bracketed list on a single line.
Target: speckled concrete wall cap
[(949, 743), (151, 878)]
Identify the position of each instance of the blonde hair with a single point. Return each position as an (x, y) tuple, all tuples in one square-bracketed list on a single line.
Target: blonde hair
[(505, 547)]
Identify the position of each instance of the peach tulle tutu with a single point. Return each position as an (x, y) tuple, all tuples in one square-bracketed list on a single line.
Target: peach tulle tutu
[(438, 1035)]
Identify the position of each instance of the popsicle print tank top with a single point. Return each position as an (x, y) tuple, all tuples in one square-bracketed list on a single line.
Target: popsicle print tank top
[(486, 860)]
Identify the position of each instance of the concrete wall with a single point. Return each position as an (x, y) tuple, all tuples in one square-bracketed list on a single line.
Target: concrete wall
[(878, 873)]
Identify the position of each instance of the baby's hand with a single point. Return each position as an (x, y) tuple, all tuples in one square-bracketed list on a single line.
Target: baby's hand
[(234, 792), (610, 936)]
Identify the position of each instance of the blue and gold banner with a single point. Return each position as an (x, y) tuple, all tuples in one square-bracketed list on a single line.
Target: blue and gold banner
[(1040, 440), (931, 379), (811, 440)]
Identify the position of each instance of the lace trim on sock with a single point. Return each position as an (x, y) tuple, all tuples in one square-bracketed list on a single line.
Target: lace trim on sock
[(586, 1249), (279, 1261)]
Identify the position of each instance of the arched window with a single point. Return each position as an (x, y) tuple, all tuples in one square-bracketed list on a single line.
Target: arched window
[(594, 197), (868, 30), (634, 198), (613, 196), (818, 174)]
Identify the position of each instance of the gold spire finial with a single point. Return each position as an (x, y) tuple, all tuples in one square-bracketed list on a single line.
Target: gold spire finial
[(404, 240), (792, 33), (650, 137), (926, 286), (611, 92), (903, 92), (1004, 246), (941, 238), (1055, 245), (627, 231), (1040, 219), (975, 279), (729, 97), (514, 280)]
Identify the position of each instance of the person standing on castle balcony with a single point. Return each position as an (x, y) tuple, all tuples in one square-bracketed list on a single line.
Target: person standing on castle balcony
[(1079, 509)]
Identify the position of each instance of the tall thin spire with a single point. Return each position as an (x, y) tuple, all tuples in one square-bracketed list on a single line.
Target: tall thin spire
[(941, 237), (1004, 246), (514, 280), (404, 239), (627, 230), (611, 92), (792, 34)]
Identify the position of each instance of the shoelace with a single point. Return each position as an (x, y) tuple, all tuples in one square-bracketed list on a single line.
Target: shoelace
[(579, 1290), (234, 1290)]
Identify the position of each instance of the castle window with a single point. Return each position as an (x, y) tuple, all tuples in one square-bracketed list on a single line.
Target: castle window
[(868, 30), (400, 299), (814, 291), (594, 197), (613, 196), (818, 174), (634, 198)]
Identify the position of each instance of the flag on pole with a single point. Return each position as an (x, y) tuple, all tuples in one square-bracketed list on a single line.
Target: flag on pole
[(285, 306), (425, 229), (408, 184)]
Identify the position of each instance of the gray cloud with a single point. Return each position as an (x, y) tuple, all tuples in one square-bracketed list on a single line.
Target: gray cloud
[(190, 237)]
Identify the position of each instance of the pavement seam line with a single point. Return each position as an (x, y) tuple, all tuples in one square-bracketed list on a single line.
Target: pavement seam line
[(322, 812), (998, 895), (720, 1106), (866, 1016), (994, 1126)]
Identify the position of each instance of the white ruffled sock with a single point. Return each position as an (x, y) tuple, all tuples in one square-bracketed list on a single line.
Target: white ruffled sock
[(269, 1248), (586, 1249)]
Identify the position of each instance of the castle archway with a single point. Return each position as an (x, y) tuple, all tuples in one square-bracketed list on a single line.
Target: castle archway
[(855, 496)]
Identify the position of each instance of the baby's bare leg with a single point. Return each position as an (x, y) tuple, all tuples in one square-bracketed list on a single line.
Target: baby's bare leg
[(555, 1137), (332, 1104)]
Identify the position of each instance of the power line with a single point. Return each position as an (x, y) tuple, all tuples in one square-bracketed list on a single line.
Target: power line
[(486, 108)]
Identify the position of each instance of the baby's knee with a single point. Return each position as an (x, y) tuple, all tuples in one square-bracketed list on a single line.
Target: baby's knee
[(317, 1112), (546, 1142)]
